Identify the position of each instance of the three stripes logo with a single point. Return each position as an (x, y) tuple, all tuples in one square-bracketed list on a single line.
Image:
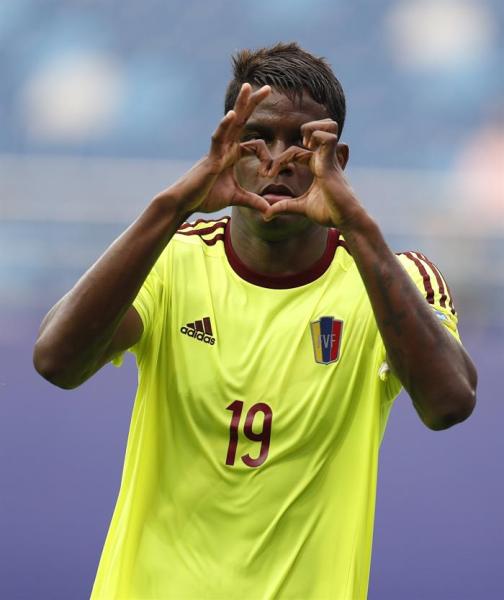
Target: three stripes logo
[(200, 330), (326, 337)]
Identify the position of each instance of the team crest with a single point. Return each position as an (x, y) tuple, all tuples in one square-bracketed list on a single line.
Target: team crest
[(326, 337)]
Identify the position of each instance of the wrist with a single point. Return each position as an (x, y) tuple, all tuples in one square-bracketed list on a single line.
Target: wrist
[(363, 234), (355, 220), (170, 204), (358, 226), (189, 192)]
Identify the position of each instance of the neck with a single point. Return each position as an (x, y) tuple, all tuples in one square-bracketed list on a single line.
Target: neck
[(281, 256)]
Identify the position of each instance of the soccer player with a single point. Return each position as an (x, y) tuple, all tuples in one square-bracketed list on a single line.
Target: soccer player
[(270, 346)]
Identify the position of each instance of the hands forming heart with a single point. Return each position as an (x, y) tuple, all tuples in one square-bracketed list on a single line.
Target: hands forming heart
[(329, 199), (211, 184)]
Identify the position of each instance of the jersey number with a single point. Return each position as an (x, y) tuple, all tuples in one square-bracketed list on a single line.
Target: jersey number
[(263, 436)]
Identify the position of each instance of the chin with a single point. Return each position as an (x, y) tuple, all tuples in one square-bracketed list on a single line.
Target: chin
[(280, 228)]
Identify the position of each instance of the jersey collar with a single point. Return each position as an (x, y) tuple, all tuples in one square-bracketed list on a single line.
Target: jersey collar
[(282, 281)]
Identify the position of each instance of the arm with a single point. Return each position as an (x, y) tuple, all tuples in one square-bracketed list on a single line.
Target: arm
[(95, 320), (433, 367)]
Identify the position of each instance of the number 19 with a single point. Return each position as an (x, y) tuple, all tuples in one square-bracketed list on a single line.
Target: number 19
[(264, 436)]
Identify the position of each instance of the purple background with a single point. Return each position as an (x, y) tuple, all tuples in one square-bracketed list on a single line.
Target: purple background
[(439, 524)]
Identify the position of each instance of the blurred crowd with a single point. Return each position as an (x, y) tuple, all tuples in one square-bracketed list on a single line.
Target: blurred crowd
[(105, 80), (129, 78)]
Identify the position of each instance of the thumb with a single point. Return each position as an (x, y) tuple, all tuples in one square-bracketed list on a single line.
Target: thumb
[(244, 198)]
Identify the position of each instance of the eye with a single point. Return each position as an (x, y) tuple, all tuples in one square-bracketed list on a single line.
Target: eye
[(250, 135), (298, 141)]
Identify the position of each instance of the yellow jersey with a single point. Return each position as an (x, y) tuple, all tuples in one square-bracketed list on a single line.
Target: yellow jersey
[(251, 462)]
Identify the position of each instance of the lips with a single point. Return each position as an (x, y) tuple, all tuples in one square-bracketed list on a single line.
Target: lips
[(274, 193)]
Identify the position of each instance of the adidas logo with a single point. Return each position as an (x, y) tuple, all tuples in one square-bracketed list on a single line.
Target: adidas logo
[(200, 330)]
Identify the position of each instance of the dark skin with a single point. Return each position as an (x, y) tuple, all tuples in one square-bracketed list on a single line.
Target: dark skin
[(290, 243), (266, 140)]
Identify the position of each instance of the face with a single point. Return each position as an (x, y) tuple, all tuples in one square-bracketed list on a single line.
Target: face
[(277, 120)]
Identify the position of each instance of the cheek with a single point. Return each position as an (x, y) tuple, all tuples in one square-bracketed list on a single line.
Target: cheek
[(246, 170), (305, 177)]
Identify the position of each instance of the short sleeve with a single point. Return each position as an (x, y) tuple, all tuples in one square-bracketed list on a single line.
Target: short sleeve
[(151, 301), (432, 285)]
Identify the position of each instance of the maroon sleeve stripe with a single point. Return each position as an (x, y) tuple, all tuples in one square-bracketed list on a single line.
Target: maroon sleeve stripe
[(437, 275), (448, 293), (442, 284), (451, 303), (343, 244), (429, 291), (188, 225), (217, 238), (203, 230)]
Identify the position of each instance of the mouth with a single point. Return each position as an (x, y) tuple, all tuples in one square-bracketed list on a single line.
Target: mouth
[(273, 193)]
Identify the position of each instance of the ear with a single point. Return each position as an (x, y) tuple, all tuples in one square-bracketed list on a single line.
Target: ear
[(343, 153)]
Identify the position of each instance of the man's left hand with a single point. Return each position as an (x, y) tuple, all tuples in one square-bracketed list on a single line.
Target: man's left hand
[(330, 200)]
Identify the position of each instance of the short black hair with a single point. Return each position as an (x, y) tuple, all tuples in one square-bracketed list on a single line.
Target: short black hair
[(288, 69)]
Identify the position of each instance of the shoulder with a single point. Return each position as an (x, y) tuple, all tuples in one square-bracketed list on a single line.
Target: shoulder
[(418, 265), (428, 278), (206, 232), (198, 238)]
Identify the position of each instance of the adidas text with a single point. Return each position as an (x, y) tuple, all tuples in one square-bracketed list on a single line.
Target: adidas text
[(198, 335)]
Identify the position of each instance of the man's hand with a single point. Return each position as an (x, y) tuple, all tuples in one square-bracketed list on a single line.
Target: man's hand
[(211, 185), (330, 200), (433, 367)]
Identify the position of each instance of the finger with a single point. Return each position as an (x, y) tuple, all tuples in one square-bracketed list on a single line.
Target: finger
[(239, 108), (244, 198), (243, 97), (254, 99), (323, 125), (325, 144), (287, 206), (259, 95), (223, 128), (247, 104), (259, 148), (293, 154)]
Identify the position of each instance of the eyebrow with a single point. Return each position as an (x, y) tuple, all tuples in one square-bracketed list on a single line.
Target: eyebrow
[(256, 126)]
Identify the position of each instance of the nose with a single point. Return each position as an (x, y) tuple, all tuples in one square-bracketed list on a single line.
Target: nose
[(276, 149)]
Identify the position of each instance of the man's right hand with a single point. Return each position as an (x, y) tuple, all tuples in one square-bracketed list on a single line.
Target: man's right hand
[(96, 319), (211, 185)]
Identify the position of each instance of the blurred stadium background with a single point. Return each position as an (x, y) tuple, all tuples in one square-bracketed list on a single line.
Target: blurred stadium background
[(104, 103)]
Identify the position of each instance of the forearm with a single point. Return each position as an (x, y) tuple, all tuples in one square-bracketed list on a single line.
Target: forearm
[(77, 331), (433, 367), (92, 321)]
